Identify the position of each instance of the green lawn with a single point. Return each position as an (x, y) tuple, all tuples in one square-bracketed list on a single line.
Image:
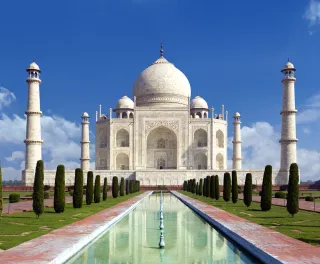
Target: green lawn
[(304, 226), (21, 227)]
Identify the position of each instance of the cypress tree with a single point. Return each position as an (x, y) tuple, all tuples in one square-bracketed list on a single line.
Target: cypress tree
[(208, 186), (138, 186), (204, 186), (122, 186), (226, 187), (200, 187), (266, 193), (197, 188), (216, 185), (89, 189), (78, 189), (234, 186), (194, 186), (184, 186), (105, 189), (97, 189), (59, 190), (293, 190), (212, 187), (38, 190), (127, 187), (115, 187), (131, 186), (247, 191), (1, 201)]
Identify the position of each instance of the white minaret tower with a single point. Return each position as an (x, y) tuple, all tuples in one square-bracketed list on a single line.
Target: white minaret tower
[(33, 130), (85, 143), (288, 126), (237, 158)]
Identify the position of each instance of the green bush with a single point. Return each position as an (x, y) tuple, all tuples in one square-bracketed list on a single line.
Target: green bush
[(38, 190), (97, 190), (46, 195), (122, 186), (184, 186), (266, 193), (309, 199), (234, 186), (115, 187), (59, 190), (105, 189), (216, 185), (78, 189), (212, 187), (293, 190), (200, 187), (130, 186), (226, 187), (14, 197), (1, 198), (208, 187), (247, 192), (282, 195), (89, 189), (197, 188), (205, 187), (194, 184)]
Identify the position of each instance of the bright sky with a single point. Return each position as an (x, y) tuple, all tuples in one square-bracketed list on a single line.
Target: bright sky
[(91, 52)]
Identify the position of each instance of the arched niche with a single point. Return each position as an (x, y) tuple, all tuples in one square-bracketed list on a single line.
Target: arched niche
[(122, 161), (122, 138), (200, 161), (220, 139), (200, 138), (219, 161)]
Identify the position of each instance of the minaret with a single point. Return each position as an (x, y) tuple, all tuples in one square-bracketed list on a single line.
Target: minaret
[(33, 129), (85, 143), (288, 139), (237, 158)]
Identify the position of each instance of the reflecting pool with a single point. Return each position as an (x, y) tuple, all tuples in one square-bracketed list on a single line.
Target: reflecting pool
[(188, 238)]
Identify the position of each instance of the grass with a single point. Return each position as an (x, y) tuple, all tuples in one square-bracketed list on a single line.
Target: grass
[(304, 226), (21, 227)]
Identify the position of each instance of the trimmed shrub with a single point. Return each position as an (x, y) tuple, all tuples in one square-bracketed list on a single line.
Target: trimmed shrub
[(138, 186), (282, 195), (208, 186), (234, 186), (122, 186), (97, 189), (200, 187), (204, 187), (226, 187), (115, 187), (1, 199), (197, 188), (46, 195), (247, 192), (194, 186), (46, 188), (59, 190), (14, 197), (309, 199), (105, 189), (184, 186), (216, 185), (127, 187), (89, 189), (131, 186), (212, 187), (38, 190), (266, 193), (78, 189), (293, 190)]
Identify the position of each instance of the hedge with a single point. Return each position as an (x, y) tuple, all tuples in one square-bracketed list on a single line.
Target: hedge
[(282, 195), (78, 189), (247, 192), (115, 187), (89, 189), (14, 197), (293, 190), (226, 187), (105, 189), (59, 190), (266, 193), (38, 190), (200, 187), (97, 189), (212, 187), (234, 186), (216, 185), (122, 186)]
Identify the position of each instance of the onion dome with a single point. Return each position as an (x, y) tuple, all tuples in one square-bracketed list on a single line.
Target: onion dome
[(125, 103), (33, 67), (199, 103)]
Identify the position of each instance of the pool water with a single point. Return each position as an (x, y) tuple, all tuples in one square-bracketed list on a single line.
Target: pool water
[(188, 238)]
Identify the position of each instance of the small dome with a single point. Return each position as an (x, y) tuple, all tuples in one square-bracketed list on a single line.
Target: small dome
[(125, 102), (198, 102), (236, 114), (33, 66), (85, 114), (289, 65)]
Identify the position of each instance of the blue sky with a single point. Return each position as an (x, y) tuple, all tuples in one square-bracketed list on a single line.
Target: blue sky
[(90, 53)]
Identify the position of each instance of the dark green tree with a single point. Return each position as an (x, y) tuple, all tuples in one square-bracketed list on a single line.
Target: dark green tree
[(97, 189), (293, 190), (89, 189), (247, 191), (197, 188), (38, 190), (115, 187), (208, 186), (216, 185), (138, 186), (122, 186), (1, 198), (78, 189), (59, 190), (131, 186), (194, 185), (200, 187), (212, 187), (127, 187), (105, 189), (184, 186), (266, 193), (204, 186), (234, 186), (226, 187)]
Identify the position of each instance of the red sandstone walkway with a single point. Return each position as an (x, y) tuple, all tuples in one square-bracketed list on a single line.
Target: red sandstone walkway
[(56, 246), (256, 237), (27, 205)]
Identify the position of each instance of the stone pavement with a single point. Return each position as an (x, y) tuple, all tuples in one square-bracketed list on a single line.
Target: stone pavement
[(27, 205), (61, 244), (266, 244)]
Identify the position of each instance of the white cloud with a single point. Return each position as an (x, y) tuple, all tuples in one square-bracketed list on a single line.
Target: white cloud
[(6, 97), (306, 131), (10, 173), (12, 130), (312, 13), (16, 155), (310, 111)]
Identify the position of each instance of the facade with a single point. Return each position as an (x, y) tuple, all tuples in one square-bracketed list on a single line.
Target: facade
[(162, 136)]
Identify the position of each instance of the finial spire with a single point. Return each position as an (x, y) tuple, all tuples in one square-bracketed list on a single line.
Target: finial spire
[(288, 59), (161, 49)]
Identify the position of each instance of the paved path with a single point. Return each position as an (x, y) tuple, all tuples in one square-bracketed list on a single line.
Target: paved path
[(62, 243), (27, 205), (267, 244)]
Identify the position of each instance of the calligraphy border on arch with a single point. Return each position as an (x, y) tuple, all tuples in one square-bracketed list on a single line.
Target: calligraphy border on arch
[(149, 125)]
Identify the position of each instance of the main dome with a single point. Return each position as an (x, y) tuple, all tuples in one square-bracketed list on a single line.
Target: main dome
[(162, 84)]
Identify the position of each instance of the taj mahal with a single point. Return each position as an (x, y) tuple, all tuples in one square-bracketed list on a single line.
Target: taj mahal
[(161, 136)]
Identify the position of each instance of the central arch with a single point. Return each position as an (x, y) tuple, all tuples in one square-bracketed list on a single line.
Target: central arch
[(161, 149)]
